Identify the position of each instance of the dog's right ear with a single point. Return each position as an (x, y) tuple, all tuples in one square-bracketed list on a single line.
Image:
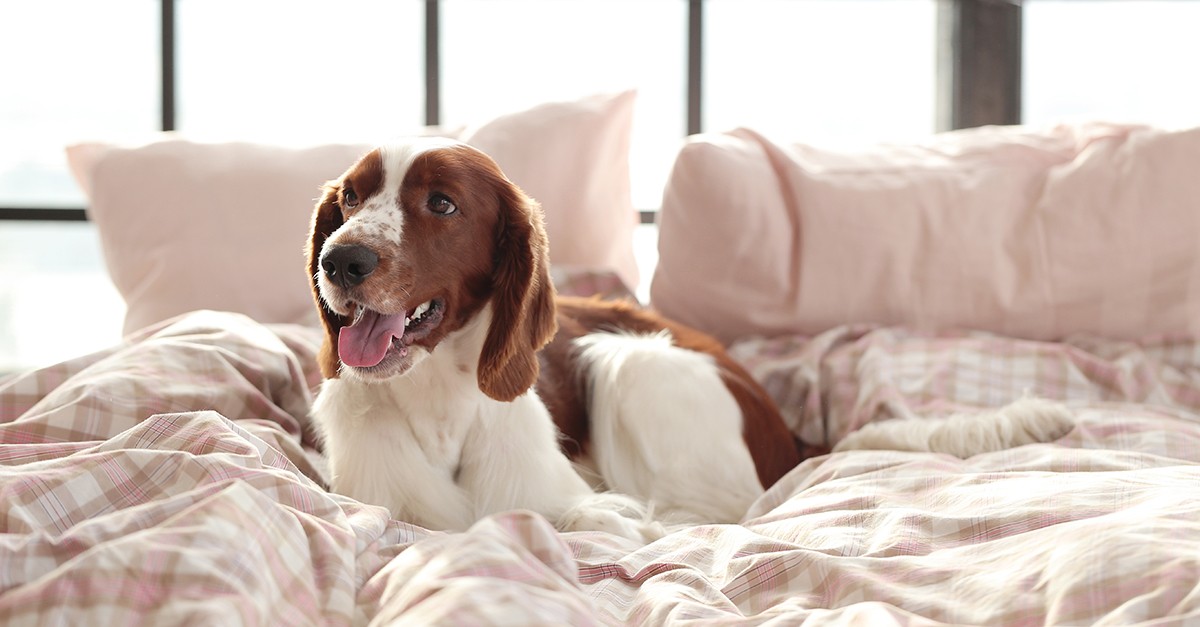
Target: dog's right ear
[(327, 218), (523, 313)]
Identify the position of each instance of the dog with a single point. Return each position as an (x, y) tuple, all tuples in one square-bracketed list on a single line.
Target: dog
[(459, 384)]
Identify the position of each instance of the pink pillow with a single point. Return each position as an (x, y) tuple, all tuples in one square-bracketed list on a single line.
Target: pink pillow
[(187, 225), (1034, 234), (573, 157)]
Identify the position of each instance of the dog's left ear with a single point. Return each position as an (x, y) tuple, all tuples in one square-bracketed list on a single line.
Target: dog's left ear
[(523, 314), (327, 218)]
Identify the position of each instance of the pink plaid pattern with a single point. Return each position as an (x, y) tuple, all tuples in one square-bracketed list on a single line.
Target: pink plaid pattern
[(171, 480), (834, 383)]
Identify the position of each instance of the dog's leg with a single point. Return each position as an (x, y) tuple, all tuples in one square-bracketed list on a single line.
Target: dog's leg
[(612, 513), (514, 462), (665, 428), (1026, 421)]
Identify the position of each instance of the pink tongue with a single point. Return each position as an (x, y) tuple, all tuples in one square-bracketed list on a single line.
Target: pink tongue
[(364, 343)]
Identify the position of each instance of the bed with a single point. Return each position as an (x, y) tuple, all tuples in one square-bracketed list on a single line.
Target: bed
[(174, 478)]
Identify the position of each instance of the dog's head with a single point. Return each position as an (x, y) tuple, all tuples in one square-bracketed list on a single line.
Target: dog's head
[(412, 243)]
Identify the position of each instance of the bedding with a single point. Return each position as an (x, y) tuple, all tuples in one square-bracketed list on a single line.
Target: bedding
[(173, 479)]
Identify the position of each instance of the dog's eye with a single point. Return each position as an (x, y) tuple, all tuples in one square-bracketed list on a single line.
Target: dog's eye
[(349, 198), (441, 205)]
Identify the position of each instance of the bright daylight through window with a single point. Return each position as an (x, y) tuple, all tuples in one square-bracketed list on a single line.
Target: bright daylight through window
[(825, 72)]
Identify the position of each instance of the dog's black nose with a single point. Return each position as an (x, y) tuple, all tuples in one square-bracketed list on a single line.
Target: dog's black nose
[(348, 266)]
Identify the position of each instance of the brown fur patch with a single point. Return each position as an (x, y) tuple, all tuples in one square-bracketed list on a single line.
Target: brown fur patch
[(364, 178), (771, 444), (523, 300), (499, 254), (328, 216)]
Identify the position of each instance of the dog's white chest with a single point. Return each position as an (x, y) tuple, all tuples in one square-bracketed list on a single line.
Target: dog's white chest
[(441, 438), (404, 456)]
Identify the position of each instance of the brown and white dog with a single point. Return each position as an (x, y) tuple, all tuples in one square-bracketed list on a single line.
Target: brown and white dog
[(458, 384)]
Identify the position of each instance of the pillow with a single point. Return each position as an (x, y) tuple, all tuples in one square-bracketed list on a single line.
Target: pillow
[(1030, 233), (188, 225)]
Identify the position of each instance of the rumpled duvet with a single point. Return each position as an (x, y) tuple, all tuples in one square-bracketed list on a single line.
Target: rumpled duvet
[(174, 480)]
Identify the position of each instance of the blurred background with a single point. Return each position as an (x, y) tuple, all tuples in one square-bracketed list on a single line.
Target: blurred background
[(826, 72)]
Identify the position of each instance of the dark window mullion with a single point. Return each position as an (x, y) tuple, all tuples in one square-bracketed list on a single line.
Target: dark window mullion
[(433, 67), (979, 63), (48, 214), (695, 67), (695, 82), (167, 50)]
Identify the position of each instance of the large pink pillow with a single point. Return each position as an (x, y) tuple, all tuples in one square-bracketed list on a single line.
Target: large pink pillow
[(1035, 234), (188, 225)]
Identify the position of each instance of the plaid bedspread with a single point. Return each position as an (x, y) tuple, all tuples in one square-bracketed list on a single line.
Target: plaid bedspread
[(172, 480)]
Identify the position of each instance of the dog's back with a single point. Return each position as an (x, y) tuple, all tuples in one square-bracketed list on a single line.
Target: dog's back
[(661, 411)]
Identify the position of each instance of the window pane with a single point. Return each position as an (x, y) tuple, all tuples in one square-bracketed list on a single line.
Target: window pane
[(92, 75), (553, 50), (56, 301), (821, 71), (1130, 61), (299, 71)]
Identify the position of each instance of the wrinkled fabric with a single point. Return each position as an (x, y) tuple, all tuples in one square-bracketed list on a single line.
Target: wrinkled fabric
[(172, 480)]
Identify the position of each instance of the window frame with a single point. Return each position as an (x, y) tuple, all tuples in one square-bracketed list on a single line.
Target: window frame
[(978, 75)]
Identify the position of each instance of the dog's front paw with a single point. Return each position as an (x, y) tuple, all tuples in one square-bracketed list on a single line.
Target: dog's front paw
[(612, 513), (1035, 421), (1025, 421)]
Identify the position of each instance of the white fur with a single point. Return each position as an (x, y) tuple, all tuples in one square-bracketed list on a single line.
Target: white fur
[(1026, 421), (435, 450), (666, 429), (380, 216)]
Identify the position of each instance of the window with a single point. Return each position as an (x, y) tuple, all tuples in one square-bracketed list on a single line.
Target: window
[(306, 71), (821, 71), (300, 71), (1123, 61), (554, 50), (94, 75), (55, 300)]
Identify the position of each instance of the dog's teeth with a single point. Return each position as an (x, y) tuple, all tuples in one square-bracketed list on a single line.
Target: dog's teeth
[(420, 311)]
